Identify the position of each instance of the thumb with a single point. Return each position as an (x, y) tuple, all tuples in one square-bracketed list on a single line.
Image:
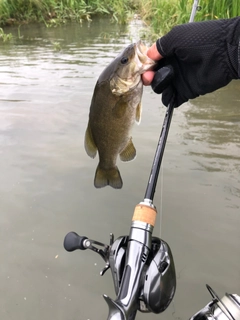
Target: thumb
[(153, 53)]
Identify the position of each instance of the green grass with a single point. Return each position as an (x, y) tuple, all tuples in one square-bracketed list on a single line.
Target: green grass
[(4, 37), (60, 11), (215, 9), (165, 14), (162, 15)]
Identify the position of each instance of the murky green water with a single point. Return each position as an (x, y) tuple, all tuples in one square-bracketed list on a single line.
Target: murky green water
[(46, 187)]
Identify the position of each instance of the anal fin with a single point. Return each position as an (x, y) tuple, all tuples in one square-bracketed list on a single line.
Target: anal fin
[(129, 152)]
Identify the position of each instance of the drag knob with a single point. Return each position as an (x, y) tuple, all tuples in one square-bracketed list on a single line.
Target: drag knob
[(73, 241)]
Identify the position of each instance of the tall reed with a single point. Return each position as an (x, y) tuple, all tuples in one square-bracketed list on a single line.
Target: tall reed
[(218, 9), (62, 10), (162, 15)]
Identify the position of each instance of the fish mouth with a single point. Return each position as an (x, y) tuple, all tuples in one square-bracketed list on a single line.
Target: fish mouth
[(128, 76), (144, 62)]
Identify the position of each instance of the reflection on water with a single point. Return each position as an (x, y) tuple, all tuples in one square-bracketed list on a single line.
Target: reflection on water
[(46, 190), (213, 129)]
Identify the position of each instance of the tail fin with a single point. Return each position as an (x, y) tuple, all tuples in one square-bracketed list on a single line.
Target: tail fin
[(105, 177)]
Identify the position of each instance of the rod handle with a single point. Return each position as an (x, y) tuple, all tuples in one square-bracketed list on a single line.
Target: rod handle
[(145, 213)]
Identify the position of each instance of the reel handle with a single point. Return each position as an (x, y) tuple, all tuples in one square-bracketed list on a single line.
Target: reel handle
[(73, 241)]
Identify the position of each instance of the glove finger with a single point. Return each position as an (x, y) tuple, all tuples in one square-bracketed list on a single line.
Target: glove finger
[(168, 95)]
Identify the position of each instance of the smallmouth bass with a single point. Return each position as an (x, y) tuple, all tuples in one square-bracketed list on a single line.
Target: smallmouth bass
[(115, 106)]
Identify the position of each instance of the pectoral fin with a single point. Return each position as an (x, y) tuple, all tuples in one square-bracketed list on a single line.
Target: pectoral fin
[(129, 152), (138, 113), (89, 143), (120, 108)]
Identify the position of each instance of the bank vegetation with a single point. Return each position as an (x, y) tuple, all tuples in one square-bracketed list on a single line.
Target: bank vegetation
[(160, 15)]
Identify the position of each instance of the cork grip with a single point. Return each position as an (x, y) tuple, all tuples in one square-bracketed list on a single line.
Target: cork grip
[(145, 214)]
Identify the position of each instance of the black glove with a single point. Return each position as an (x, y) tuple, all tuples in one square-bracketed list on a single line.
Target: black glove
[(205, 56)]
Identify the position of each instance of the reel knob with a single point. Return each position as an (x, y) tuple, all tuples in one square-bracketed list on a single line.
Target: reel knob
[(73, 241)]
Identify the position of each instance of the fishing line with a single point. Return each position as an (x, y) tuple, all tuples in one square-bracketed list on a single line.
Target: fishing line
[(195, 7)]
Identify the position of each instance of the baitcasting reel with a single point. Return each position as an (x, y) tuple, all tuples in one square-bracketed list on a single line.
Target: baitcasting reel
[(142, 269), (157, 283)]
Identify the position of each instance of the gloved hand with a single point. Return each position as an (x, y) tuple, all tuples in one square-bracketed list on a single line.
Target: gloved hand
[(205, 56)]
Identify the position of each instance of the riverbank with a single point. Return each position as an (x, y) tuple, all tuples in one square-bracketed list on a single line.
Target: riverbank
[(159, 15)]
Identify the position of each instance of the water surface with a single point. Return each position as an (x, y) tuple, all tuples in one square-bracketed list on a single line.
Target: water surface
[(47, 190)]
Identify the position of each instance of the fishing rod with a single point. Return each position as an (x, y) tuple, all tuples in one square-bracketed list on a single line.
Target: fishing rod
[(161, 80), (195, 8)]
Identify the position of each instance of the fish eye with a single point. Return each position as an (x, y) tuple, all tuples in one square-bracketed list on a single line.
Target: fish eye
[(124, 60)]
